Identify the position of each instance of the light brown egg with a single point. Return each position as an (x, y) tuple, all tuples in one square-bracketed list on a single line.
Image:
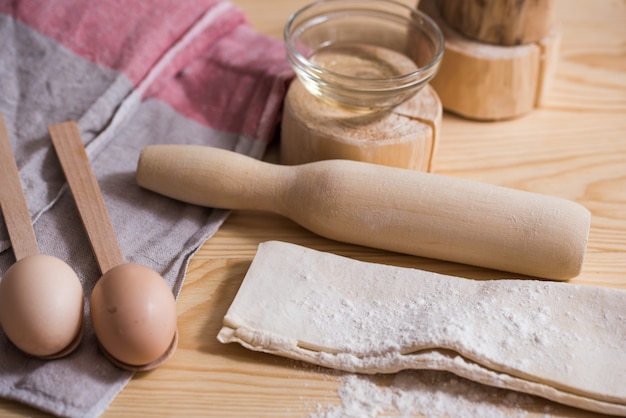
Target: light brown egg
[(41, 305), (133, 312)]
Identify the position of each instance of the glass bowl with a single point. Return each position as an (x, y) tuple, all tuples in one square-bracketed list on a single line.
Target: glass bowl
[(365, 55)]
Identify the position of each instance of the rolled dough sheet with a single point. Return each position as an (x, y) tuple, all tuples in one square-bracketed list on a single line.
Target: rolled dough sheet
[(561, 341)]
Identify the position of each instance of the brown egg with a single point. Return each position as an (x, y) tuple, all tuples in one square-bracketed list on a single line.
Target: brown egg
[(133, 312), (41, 305)]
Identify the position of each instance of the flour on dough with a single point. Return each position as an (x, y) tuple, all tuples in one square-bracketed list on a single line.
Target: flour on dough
[(562, 341)]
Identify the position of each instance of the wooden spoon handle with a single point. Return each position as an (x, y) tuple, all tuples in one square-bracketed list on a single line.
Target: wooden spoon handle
[(384, 207), (84, 185), (13, 202)]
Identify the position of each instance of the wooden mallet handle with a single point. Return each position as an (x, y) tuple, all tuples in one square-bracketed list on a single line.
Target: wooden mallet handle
[(384, 207)]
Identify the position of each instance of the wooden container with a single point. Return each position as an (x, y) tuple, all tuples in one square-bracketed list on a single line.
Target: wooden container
[(405, 136), (500, 22), (482, 81)]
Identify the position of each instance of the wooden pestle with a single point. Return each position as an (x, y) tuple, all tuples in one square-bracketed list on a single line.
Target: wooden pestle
[(384, 207)]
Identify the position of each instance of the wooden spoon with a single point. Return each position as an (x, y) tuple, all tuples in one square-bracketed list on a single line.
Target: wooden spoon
[(131, 332), (41, 298)]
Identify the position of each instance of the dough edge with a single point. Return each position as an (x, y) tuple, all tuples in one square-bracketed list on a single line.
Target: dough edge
[(434, 359)]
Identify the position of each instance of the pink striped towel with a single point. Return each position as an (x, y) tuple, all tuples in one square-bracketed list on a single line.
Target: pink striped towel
[(132, 73)]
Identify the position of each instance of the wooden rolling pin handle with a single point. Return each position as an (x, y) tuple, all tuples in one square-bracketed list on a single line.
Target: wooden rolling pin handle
[(211, 177), (384, 207)]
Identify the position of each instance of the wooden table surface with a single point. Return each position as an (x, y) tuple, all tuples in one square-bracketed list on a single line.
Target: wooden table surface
[(574, 147)]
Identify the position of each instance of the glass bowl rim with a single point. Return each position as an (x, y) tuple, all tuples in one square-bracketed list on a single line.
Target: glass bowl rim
[(400, 81)]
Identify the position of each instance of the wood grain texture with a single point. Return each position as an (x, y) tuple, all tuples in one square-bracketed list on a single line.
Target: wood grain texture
[(574, 147), (501, 22), (13, 201), (383, 207), (492, 82), (87, 195), (405, 136)]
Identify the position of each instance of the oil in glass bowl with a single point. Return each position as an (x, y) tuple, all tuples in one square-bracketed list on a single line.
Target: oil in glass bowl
[(365, 55)]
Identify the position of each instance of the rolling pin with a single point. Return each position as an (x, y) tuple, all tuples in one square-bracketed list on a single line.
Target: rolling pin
[(383, 207)]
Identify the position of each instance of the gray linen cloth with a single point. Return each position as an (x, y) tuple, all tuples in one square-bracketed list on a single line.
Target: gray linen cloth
[(199, 75)]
